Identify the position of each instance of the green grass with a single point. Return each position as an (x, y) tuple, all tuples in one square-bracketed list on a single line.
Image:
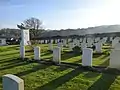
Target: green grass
[(49, 77)]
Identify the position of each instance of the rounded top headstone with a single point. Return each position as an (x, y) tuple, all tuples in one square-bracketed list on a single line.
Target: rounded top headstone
[(14, 78)]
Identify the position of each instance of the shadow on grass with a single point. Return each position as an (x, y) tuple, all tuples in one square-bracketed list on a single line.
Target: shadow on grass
[(28, 56), (61, 68), (34, 69), (105, 63), (68, 55), (11, 53), (47, 58), (96, 55), (0, 79), (47, 53), (14, 65), (91, 75), (29, 51), (105, 56), (10, 57), (78, 61), (103, 83), (61, 80), (7, 61)]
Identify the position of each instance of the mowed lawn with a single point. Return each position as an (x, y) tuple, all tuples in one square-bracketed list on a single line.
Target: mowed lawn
[(50, 77)]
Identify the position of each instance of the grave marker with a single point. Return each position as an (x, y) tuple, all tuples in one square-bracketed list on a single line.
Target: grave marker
[(22, 52), (87, 57), (83, 45), (117, 46), (57, 55), (98, 47), (12, 82), (115, 59), (36, 53), (71, 46), (25, 38), (50, 46)]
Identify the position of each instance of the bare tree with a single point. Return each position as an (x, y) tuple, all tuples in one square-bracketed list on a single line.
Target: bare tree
[(35, 25)]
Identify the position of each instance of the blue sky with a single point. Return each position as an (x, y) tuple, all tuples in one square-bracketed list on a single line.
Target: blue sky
[(60, 14)]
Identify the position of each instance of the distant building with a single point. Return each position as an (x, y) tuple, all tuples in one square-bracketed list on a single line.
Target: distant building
[(2, 41)]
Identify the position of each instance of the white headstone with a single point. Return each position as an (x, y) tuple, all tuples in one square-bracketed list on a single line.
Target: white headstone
[(36, 53), (41, 41), (114, 42), (97, 39), (103, 40), (83, 45), (84, 40), (12, 82), (115, 59), (57, 55), (98, 47), (111, 38), (80, 39), (69, 40), (46, 41), (56, 41), (77, 43), (51, 41), (71, 46), (22, 52), (87, 39), (50, 46), (87, 57), (25, 38), (74, 41), (89, 44), (60, 45), (64, 42), (117, 46)]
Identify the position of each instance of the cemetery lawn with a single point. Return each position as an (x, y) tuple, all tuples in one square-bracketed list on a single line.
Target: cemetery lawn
[(50, 77)]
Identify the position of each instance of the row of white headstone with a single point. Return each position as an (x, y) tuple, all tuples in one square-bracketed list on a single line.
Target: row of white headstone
[(114, 57), (98, 46), (87, 55), (83, 40), (36, 52)]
